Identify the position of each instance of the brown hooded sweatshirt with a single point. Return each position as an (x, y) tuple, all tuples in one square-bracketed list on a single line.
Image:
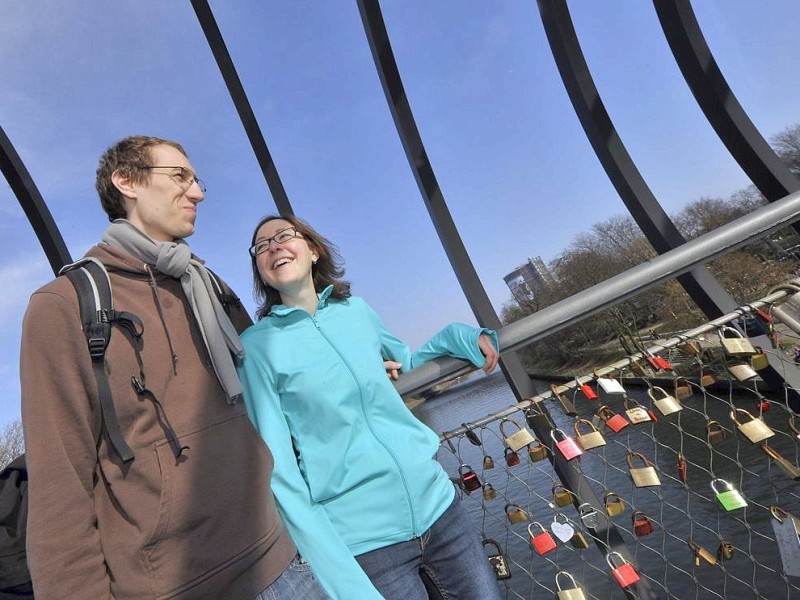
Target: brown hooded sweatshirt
[(203, 525)]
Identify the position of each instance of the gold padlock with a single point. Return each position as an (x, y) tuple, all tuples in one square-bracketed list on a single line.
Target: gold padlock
[(579, 541), (515, 513), (642, 476), (725, 551), (738, 345), (614, 504), (488, 462), (691, 347), (590, 440), (519, 439), (715, 432), (489, 493), (701, 553), (561, 495), (742, 371), (682, 388), (759, 361), (572, 593), (786, 465), (663, 401), (753, 428), (537, 451)]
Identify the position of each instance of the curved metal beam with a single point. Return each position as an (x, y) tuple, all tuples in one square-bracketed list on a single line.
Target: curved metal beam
[(21, 183), (242, 104), (719, 104)]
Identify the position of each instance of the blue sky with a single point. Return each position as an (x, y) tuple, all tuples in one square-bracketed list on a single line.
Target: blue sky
[(515, 168)]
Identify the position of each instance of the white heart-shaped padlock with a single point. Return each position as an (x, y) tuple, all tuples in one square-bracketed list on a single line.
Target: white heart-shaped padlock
[(563, 531)]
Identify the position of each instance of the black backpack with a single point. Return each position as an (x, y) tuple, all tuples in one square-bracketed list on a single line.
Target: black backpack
[(15, 580)]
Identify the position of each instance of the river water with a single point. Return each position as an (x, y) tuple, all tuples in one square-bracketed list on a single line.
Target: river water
[(680, 512)]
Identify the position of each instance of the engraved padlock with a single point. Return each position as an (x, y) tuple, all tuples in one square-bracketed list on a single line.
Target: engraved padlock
[(787, 536), (636, 412), (519, 439), (537, 451), (543, 542), (642, 524), (469, 479), (561, 495), (642, 476), (498, 560), (663, 401), (515, 513), (621, 569), (735, 344), (489, 493), (725, 550), (701, 554), (568, 447), (715, 432), (589, 515), (729, 497), (488, 462), (592, 439), (512, 458), (742, 371), (614, 504), (573, 592), (752, 427), (612, 420)]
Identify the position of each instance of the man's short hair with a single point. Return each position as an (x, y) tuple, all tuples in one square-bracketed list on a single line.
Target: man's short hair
[(128, 156)]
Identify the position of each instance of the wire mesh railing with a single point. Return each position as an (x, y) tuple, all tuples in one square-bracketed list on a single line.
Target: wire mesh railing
[(688, 478)]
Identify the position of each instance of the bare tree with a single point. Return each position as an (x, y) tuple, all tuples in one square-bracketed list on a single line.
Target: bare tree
[(12, 443)]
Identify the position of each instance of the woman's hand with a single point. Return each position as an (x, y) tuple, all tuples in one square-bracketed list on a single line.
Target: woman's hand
[(392, 369), (487, 349)]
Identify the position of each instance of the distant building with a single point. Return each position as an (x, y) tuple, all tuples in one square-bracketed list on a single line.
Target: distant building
[(528, 280)]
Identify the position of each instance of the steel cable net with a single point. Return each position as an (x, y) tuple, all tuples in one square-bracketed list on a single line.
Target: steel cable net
[(711, 519)]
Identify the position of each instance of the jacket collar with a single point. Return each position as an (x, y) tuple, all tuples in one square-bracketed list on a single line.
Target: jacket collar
[(281, 310)]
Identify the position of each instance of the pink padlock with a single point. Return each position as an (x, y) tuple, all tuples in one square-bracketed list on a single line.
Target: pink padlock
[(569, 447)]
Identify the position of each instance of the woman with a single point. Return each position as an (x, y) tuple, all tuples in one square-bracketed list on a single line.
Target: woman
[(355, 476)]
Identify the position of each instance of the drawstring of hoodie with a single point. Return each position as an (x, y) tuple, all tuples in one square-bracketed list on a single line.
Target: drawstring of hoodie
[(160, 310)]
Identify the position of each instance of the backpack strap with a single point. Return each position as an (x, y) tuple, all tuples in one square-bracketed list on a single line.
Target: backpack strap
[(226, 299), (90, 279)]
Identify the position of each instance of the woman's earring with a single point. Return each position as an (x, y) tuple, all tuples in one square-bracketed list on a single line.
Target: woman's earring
[(314, 260)]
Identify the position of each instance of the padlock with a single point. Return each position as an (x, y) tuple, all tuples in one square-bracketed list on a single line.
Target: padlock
[(610, 385), (786, 465), (543, 542), (763, 406), (730, 498), (753, 428), (701, 554), (614, 504), (512, 458), (715, 432), (612, 420), (624, 573), (657, 363), (738, 345), (574, 592), (742, 371), (561, 495), (568, 447), (589, 515), (725, 550), (706, 378), (566, 404), (515, 514), (519, 439), (682, 388), (563, 530), (759, 361), (472, 436), (663, 401), (488, 462), (681, 467), (642, 524), (469, 479), (586, 390), (787, 536), (537, 451), (642, 476), (489, 493), (590, 440), (635, 411), (579, 541), (498, 560), (691, 347), (794, 427)]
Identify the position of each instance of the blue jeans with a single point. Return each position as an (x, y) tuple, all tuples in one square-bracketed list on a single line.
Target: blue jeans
[(297, 581), (447, 562)]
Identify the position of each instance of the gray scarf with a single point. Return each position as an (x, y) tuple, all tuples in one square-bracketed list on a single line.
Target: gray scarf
[(175, 259)]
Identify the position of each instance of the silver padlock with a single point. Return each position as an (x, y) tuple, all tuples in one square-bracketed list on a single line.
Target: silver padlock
[(571, 593), (589, 516)]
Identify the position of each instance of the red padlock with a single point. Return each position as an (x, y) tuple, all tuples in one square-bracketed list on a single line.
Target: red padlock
[(543, 542), (625, 574), (569, 447), (763, 406), (642, 525), (613, 421), (512, 458), (587, 390), (468, 478)]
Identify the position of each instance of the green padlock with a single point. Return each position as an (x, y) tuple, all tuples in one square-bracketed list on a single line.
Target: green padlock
[(730, 498)]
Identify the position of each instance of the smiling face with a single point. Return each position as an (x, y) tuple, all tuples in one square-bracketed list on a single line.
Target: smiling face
[(286, 267), (163, 207)]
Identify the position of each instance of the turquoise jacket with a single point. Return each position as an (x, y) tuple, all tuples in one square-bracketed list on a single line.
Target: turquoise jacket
[(364, 475)]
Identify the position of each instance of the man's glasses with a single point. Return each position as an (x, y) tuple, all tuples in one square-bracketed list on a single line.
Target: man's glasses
[(183, 176), (281, 237)]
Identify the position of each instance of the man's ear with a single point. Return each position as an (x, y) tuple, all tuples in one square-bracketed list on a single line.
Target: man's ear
[(125, 185)]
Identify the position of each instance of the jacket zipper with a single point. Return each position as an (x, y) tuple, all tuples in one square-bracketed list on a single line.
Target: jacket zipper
[(414, 533)]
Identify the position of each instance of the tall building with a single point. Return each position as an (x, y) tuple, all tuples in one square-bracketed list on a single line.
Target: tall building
[(529, 279)]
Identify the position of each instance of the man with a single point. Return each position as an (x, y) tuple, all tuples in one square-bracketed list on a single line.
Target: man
[(191, 515)]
